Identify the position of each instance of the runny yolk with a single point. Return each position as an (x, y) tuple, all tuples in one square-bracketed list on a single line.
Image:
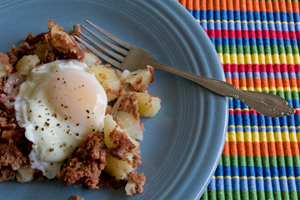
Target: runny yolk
[(78, 97)]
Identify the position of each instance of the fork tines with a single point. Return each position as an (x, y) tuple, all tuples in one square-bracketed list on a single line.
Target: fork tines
[(118, 57)]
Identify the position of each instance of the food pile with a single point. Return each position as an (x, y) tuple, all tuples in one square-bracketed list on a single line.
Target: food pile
[(65, 115)]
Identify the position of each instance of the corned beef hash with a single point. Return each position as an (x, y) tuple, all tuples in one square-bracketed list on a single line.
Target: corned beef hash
[(65, 115)]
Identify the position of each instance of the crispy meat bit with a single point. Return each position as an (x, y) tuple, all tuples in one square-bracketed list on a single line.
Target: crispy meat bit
[(6, 174), (53, 45), (75, 30), (62, 41), (107, 180)]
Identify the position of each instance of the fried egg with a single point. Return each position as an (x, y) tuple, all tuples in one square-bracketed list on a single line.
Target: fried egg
[(59, 104)]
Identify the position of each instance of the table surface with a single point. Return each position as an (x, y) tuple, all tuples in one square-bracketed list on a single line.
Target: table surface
[(258, 44)]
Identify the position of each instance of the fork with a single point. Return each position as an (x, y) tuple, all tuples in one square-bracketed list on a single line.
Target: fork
[(133, 58)]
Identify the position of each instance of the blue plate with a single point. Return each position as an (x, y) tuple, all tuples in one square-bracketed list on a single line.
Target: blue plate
[(183, 143)]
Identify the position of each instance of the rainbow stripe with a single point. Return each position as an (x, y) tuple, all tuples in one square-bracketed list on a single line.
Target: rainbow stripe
[(258, 44)]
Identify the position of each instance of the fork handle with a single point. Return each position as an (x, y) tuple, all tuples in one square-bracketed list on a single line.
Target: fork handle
[(265, 103)]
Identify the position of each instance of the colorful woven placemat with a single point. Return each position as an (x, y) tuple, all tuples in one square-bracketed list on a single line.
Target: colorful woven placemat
[(258, 45)]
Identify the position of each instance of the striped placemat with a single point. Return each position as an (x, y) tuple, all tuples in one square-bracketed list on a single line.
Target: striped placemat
[(258, 44)]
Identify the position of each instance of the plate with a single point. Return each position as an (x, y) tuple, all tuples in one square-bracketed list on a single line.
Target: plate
[(183, 143)]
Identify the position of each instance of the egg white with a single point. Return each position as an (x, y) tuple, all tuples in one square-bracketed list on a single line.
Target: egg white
[(58, 122)]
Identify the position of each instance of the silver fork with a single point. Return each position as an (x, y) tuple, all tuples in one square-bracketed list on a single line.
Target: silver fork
[(134, 58)]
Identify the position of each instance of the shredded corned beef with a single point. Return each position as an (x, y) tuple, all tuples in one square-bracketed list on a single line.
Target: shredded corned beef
[(14, 147), (139, 180), (86, 163), (15, 54), (123, 145), (136, 161), (129, 104)]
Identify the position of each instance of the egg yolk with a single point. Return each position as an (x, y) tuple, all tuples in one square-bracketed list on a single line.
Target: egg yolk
[(78, 98)]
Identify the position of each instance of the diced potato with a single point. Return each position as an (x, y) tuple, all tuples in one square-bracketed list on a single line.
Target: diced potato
[(75, 31), (41, 49), (91, 59), (120, 169), (61, 40), (138, 80), (130, 124), (25, 174), (129, 186), (134, 76), (148, 105), (109, 125), (26, 64), (108, 79), (124, 75), (79, 44)]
